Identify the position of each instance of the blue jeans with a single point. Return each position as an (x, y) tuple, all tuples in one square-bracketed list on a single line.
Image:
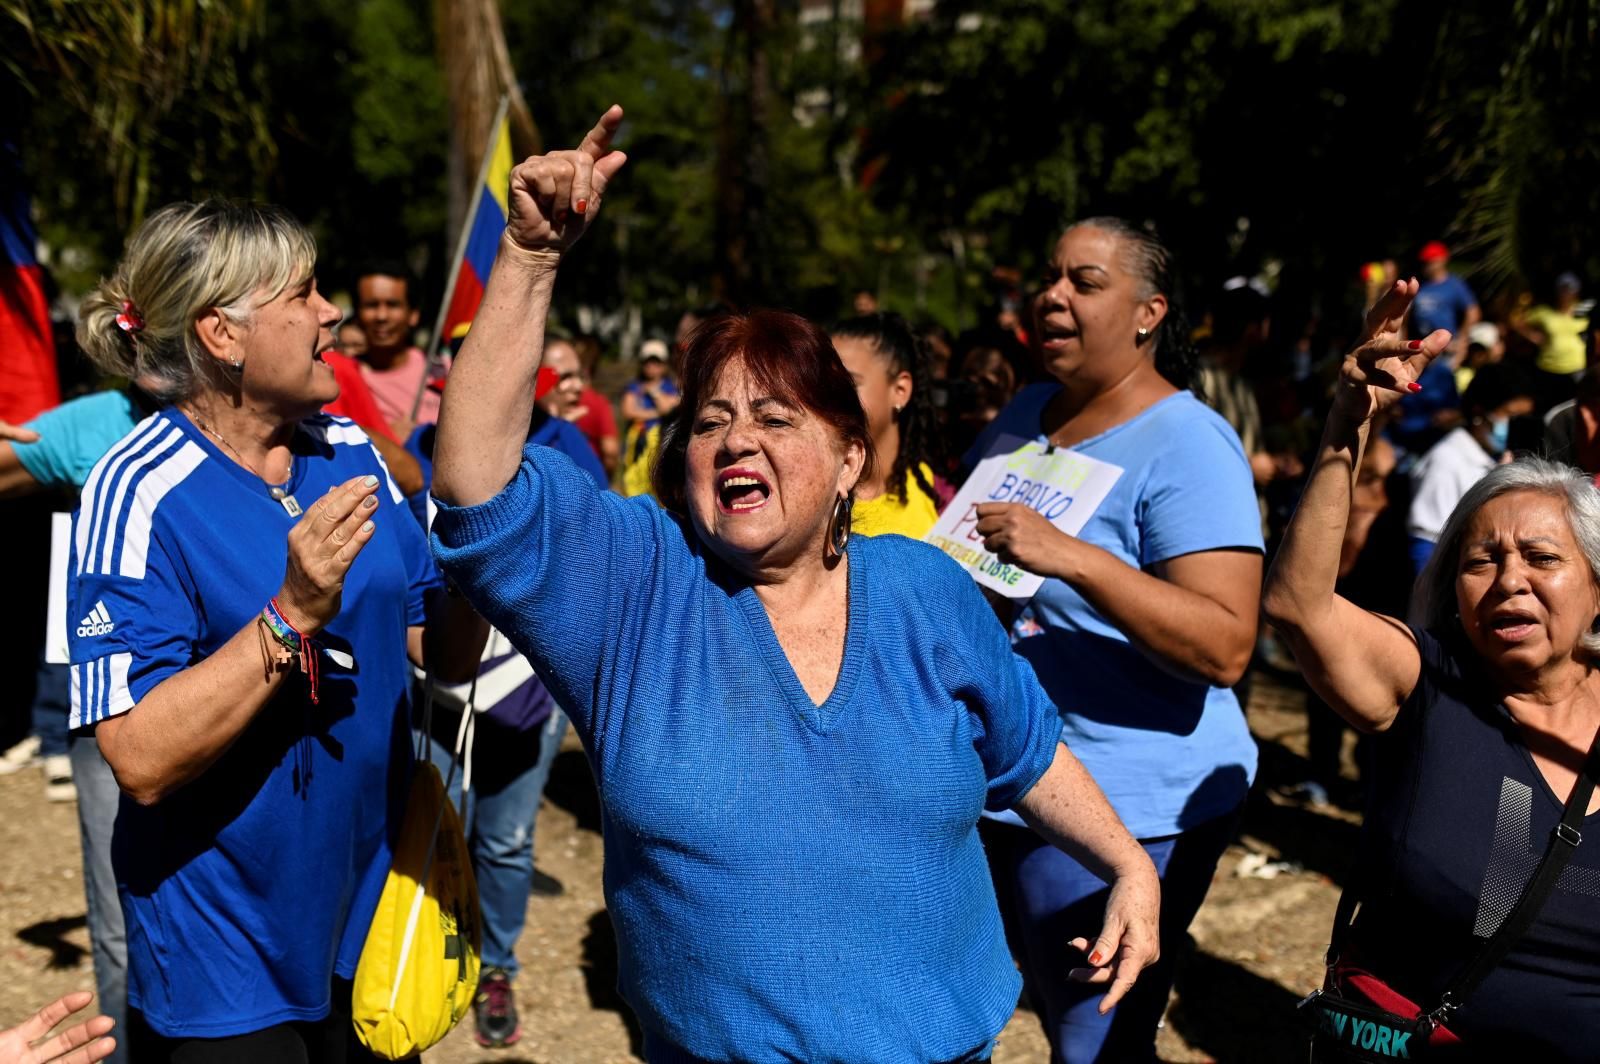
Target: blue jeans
[(98, 800), (52, 701), (1047, 898), (509, 771)]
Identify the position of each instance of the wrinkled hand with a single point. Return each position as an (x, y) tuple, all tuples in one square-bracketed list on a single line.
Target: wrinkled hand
[(17, 434), (1129, 941), (1019, 535), (24, 1044), (1384, 365), (322, 546), (555, 197)]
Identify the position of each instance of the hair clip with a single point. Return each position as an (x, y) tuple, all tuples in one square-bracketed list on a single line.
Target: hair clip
[(129, 320)]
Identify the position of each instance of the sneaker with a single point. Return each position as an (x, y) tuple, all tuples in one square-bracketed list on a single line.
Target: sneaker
[(58, 779), (495, 1010), (21, 756)]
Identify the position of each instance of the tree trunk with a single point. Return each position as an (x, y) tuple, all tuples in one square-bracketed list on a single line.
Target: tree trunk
[(742, 263), (477, 69)]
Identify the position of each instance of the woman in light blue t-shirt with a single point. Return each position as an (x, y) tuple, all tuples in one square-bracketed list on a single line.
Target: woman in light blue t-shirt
[(1145, 620)]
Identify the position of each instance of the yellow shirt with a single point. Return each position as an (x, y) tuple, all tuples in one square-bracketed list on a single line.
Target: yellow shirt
[(913, 516), (1563, 347)]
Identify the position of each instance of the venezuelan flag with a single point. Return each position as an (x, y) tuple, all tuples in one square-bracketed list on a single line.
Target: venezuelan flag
[(488, 221), (28, 385)]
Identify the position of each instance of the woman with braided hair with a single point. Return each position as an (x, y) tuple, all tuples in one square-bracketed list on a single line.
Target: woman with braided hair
[(890, 370), (1145, 620)]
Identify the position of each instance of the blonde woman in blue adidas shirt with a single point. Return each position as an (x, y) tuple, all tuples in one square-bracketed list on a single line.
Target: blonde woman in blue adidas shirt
[(259, 795), (793, 731)]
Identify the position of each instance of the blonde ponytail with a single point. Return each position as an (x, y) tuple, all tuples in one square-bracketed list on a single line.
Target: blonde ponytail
[(186, 259)]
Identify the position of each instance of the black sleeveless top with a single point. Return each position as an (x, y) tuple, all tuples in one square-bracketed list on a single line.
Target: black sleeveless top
[(1459, 817)]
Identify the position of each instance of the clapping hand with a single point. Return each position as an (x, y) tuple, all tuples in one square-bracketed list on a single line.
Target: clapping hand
[(554, 197), (323, 545), (1384, 365)]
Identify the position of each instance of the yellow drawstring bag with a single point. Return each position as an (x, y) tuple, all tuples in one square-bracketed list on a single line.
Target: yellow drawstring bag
[(639, 453), (419, 967)]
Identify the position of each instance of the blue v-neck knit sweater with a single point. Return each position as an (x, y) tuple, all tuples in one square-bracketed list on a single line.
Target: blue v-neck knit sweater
[(788, 881)]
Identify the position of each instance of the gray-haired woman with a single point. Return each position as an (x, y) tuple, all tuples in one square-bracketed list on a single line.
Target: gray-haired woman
[(248, 580), (1485, 710)]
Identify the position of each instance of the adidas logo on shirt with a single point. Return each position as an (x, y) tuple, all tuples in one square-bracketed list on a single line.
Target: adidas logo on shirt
[(97, 623)]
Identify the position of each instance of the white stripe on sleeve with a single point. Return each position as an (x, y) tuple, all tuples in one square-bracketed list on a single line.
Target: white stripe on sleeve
[(152, 489), (104, 473), (77, 718), (91, 672), (158, 456), (119, 699)]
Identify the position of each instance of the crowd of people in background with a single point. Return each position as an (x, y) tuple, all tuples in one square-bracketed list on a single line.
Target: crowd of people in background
[(279, 454)]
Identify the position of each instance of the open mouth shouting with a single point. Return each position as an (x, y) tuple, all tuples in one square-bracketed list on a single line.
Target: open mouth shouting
[(1055, 335), (742, 491), (1512, 626)]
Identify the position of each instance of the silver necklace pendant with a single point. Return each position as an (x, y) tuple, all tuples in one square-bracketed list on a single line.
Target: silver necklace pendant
[(288, 501)]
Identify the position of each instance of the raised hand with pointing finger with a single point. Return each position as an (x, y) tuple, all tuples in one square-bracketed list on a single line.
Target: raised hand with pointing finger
[(554, 197)]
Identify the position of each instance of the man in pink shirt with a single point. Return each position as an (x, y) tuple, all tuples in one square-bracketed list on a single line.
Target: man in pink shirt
[(394, 367)]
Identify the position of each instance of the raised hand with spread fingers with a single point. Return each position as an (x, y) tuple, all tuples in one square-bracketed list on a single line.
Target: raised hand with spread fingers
[(1384, 365)]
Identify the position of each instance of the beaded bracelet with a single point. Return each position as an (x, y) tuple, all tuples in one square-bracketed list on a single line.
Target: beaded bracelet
[(294, 640)]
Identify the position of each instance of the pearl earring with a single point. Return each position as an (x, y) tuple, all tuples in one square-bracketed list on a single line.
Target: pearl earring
[(1143, 333)]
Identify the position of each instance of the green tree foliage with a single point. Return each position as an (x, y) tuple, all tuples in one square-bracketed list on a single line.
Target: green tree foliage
[(1318, 135), (121, 105), (790, 161), (1516, 128)]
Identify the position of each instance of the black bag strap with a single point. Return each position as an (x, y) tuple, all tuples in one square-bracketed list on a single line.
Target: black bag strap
[(1564, 839)]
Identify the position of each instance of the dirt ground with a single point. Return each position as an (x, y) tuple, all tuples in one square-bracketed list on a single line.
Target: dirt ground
[(1257, 942)]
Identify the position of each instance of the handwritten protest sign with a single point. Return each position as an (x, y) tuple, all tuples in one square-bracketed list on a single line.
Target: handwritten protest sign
[(1064, 486)]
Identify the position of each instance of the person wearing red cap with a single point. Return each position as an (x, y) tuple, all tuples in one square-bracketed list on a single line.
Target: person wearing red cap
[(1443, 301)]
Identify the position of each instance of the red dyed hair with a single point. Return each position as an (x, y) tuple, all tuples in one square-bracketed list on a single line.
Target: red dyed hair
[(791, 359)]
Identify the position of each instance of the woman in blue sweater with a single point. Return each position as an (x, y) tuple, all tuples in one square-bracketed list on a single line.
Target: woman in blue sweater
[(793, 731)]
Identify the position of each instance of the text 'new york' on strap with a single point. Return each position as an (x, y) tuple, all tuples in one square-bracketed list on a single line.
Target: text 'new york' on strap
[(1352, 1030)]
